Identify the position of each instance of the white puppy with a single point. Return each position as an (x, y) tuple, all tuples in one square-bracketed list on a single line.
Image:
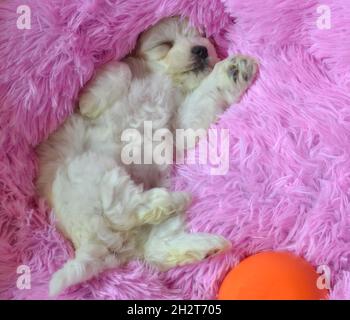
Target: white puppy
[(112, 211)]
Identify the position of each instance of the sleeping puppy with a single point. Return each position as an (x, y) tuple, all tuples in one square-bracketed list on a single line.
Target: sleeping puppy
[(114, 211)]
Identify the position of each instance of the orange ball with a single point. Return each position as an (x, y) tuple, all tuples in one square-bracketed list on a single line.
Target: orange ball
[(272, 276)]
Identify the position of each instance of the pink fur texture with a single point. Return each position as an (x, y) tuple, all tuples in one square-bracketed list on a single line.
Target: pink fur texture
[(288, 186)]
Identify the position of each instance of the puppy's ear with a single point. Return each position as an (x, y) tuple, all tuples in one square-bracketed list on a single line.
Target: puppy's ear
[(111, 83)]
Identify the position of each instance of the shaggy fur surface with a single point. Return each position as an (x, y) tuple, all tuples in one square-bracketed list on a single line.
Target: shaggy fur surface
[(288, 187)]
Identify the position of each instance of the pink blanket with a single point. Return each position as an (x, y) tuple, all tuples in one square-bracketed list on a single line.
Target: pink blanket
[(288, 185)]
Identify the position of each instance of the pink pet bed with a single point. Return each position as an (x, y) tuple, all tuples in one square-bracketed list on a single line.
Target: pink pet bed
[(288, 185)]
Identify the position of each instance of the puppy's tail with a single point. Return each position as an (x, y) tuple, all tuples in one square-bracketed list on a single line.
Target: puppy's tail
[(90, 259)]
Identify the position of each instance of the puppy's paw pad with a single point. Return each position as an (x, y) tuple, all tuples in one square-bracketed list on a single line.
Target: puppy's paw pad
[(242, 69), (233, 72)]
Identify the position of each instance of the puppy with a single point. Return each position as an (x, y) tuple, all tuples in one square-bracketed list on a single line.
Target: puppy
[(114, 211)]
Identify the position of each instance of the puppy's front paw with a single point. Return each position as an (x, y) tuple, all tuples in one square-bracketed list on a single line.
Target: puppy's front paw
[(242, 69), (233, 76)]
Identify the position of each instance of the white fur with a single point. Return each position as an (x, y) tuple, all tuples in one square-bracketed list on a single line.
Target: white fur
[(114, 212)]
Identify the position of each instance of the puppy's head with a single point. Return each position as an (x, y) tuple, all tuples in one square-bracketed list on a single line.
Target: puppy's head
[(180, 51)]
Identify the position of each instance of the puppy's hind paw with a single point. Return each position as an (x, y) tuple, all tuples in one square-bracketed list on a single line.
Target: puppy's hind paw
[(160, 204), (56, 285), (194, 248)]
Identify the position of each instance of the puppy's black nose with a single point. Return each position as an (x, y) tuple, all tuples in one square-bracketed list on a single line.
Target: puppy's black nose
[(200, 51)]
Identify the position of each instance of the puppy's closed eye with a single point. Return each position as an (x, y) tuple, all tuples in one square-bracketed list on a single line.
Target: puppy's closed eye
[(169, 44), (160, 50)]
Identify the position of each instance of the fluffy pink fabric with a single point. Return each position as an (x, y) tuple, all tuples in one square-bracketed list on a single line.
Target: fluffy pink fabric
[(288, 187)]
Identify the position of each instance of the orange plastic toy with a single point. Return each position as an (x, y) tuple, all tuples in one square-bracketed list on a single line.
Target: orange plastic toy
[(272, 276)]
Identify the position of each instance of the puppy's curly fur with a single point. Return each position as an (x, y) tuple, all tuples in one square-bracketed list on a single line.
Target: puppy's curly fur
[(113, 212)]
